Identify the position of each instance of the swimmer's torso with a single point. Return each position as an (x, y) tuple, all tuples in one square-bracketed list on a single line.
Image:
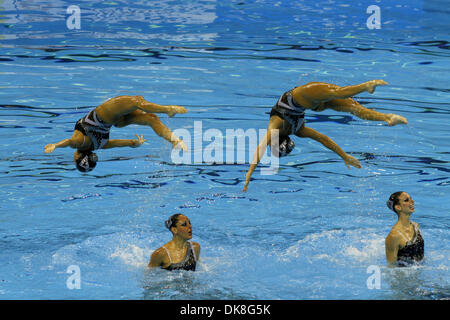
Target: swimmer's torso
[(188, 263), (413, 250), (94, 127), (289, 110), (288, 102)]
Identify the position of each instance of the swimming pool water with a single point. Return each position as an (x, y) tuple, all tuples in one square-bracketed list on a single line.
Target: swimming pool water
[(309, 232)]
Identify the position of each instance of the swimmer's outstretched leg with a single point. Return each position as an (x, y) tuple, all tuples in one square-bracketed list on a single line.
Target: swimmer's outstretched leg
[(353, 107), (151, 107), (149, 119)]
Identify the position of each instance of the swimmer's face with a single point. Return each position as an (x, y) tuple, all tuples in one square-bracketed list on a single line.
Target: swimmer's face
[(85, 162), (77, 154), (405, 204), (183, 228)]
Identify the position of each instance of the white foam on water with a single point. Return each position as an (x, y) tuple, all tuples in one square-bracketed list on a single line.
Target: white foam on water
[(360, 246), (132, 255)]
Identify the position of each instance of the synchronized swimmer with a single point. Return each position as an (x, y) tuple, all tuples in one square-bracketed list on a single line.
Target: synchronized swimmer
[(92, 132), (403, 245), (288, 118), (179, 253)]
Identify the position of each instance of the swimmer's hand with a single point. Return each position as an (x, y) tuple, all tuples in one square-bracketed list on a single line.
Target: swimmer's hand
[(140, 140), (50, 148), (173, 110), (349, 160), (179, 144), (247, 181), (246, 185), (372, 84)]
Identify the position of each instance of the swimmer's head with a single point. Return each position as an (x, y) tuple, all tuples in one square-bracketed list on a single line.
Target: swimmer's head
[(179, 225), (85, 161), (285, 147), (393, 200), (401, 201), (172, 221)]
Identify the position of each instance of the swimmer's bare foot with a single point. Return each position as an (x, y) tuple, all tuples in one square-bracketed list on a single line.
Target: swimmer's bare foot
[(396, 119), (372, 84), (173, 110), (179, 144)]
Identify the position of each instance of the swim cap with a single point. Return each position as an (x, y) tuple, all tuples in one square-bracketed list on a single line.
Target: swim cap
[(86, 162), (393, 200), (390, 204), (284, 148), (172, 221)]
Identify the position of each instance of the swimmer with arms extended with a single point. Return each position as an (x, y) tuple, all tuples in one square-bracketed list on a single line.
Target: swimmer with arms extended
[(404, 245), (287, 118), (179, 253), (92, 132)]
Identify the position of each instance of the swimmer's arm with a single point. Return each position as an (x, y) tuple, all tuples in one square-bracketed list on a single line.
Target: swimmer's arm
[(321, 92), (133, 143), (72, 142), (259, 152), (306, 132), (249, 175), (391, 246), (157, 258), (196, 247)]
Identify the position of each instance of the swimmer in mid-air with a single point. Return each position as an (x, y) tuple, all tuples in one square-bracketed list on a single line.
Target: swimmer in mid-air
[(92, 131), (179, 253), (404, 245), (287, 118)]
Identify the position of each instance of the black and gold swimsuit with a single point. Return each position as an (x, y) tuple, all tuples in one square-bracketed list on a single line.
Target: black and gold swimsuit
[(95, 128), (413, 251), (188, 263), (287, 109)]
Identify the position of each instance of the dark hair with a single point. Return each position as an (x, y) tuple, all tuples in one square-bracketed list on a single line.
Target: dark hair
[(285, 147), (394, 200), (86, 162), (172, 221)]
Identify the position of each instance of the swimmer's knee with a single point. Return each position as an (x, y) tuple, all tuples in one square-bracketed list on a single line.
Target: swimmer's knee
[(138, 99), (150, 117)]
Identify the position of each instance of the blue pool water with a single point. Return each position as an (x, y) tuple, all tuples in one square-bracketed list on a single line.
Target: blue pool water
[(309, 232)]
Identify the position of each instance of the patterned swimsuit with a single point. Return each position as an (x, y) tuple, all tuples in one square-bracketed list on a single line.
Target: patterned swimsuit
[(188, 263), (413, 251), (95, 128), (287, 109)]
